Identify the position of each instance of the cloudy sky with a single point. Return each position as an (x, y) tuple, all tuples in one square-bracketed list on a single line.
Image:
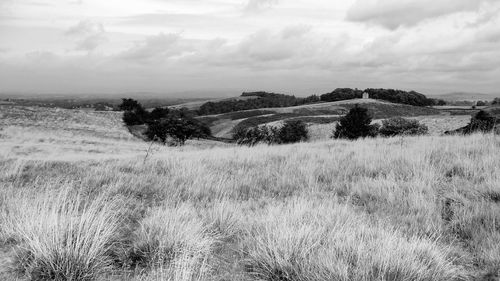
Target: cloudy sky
[(290, 46)]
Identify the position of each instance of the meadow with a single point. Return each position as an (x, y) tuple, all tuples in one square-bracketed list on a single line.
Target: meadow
[(81, 199)]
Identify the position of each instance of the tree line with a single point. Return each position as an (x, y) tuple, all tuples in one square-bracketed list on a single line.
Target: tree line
[(390, 95), (267, 100), (263, 100)]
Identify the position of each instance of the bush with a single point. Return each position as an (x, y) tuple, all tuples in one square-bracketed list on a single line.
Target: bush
[(254, 135), (177, 128), (290, 132), (293, 131), (129, 105), (481, 122), (356, 124), (131, 118), (134, 113), (401, 126), (159, 113)]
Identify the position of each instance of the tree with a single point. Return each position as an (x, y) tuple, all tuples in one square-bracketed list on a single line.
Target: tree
[(290, 132), (179, 129), (401, 126), (293, 131), (496, 101), (134, 113), (159, 113), (356, 124), (481, 122), (130, 105), (131, 118)]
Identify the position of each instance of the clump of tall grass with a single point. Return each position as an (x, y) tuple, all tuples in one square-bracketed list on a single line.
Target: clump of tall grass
[(174, 239), (311, 241), (59, 235)]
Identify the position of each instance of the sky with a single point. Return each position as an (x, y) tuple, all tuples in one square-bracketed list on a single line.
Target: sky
[(224, 47)]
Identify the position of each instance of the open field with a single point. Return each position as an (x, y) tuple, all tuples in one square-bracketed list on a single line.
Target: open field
[(79, 199)]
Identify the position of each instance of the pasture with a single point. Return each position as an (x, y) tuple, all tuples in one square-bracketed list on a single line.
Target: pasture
[(82, 199)]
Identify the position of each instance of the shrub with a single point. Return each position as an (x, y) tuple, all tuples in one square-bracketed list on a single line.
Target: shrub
[(129, 105), (159, 113), (131, 118), (179, 129), (134, 113), (481, 122), (254, 135), (293, 131), (401, 126), (356, 124)]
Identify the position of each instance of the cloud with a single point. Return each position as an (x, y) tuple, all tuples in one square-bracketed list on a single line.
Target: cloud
[(392, 14), (91, 42), (158, 47), (89, 34), (258, 5), (85, 27)]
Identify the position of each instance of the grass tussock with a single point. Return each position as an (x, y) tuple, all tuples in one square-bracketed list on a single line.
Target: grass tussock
[(330, 242), (59, 235)]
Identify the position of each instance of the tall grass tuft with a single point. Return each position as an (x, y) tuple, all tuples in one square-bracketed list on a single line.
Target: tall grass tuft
[(176, 240), (61, 236), (321, 242)]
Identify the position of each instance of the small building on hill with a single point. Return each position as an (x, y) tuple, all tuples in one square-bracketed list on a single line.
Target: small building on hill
[(366, 95)]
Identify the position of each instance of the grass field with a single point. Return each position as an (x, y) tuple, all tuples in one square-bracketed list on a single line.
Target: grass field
[(79, 201)]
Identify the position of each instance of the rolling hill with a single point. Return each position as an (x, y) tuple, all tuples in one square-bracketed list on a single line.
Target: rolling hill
[(224, 125), (464, 96)]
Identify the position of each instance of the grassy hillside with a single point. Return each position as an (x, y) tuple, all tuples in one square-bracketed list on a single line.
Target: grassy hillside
[(423, 208), (224, 125), (461, 96)]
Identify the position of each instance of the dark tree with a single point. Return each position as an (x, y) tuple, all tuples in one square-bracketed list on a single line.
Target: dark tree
[(496, 101), (438, 102), (134, 114), (179, 129), (481, 122), (293, 131), (131, 118), (401, 126), (356, 124), (129, 105), (159, 113)]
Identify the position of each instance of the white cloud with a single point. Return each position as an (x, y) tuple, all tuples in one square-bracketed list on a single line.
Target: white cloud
[(395, 13), (295, 46), (89, 34), (258, 5)]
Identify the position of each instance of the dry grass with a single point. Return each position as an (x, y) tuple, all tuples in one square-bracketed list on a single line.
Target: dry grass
[(422, 208)]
